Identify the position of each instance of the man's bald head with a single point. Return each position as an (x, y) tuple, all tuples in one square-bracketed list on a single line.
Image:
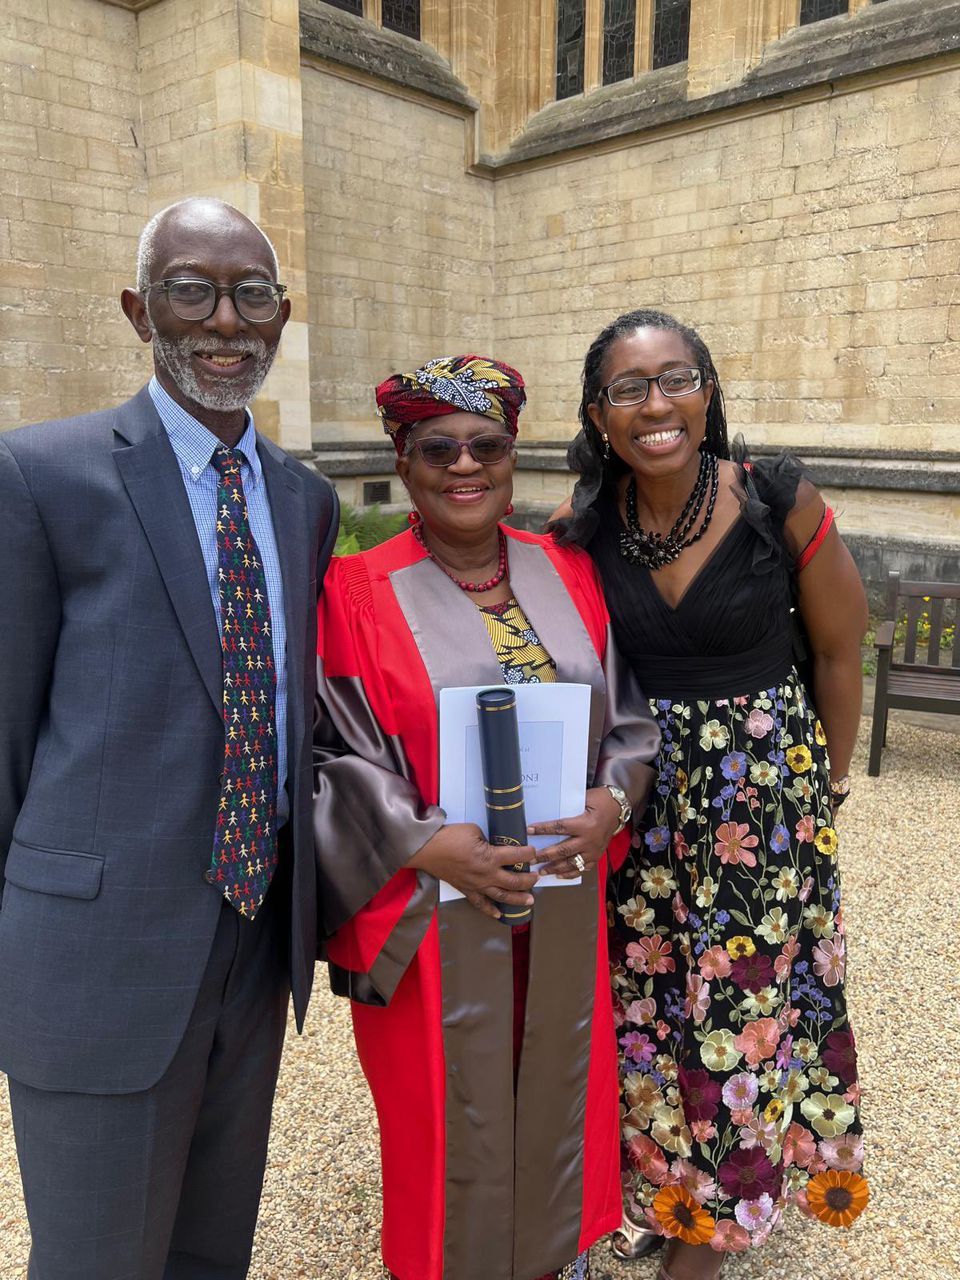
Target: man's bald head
[(194, 213), (215, 364)]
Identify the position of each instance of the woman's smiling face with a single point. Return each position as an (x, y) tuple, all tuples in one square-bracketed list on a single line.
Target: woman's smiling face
[(662, 434), (466, 497)]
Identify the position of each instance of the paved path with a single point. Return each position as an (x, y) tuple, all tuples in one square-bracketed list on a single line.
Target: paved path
[(899, 854)]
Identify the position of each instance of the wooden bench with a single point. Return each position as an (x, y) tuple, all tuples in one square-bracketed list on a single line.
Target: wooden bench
[(915, 685)]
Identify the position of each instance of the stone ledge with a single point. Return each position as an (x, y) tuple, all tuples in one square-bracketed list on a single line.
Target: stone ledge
[(910, 477), (882, 455), (878, 38), (373, 459), (630, 106), (824, 53), (924, 558), (835, 469), (913, 558), (337, 36), (920, 559)]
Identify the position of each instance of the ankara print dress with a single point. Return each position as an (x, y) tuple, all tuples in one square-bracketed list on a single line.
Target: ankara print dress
[(738, 1065)]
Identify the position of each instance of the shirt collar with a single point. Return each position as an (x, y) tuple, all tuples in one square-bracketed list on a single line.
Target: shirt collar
[(194, 444)]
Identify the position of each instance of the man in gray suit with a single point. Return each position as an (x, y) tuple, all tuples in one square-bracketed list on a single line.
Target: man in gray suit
[(161, 564)]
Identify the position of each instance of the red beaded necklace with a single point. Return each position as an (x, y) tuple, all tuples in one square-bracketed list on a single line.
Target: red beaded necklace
[(475, 587)]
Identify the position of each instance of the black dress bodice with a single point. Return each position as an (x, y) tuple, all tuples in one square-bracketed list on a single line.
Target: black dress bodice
[(730, 632)]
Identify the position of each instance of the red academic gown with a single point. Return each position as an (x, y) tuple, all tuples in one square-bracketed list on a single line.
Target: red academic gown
[(481, 1181)]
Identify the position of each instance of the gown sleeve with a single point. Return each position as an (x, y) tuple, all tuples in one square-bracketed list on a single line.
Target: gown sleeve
[(631, 741), (631, 737), (368, 814)]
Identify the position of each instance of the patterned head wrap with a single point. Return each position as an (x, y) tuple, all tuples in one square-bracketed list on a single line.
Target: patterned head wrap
[(450, 384)]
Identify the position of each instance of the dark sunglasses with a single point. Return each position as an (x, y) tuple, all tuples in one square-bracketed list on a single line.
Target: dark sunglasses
[(444, 451)]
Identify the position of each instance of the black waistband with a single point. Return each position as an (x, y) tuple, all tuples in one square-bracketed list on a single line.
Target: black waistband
[(728, 676)]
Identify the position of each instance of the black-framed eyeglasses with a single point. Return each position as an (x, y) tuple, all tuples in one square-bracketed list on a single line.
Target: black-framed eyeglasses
[(255, 300), (675, 382), (444, 451)]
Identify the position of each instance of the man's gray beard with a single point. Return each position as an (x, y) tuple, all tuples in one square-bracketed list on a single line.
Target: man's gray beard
[(174, 354)]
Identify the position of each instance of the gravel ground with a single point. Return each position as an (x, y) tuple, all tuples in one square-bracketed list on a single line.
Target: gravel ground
[(898, 852)]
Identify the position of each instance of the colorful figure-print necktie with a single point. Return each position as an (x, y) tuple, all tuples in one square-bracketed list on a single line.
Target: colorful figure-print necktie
[(245, 843)]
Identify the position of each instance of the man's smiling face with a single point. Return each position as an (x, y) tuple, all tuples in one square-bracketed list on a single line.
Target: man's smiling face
[(217, 364)]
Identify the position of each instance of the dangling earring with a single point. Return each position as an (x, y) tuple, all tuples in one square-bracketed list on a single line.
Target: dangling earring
[(509, 510), (606, 448), (413, 516)]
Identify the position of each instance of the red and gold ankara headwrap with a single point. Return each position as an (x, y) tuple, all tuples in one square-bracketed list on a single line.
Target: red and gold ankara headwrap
[(450, 384)]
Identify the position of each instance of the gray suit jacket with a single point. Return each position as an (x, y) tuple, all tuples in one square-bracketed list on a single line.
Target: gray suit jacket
[(111, 743)]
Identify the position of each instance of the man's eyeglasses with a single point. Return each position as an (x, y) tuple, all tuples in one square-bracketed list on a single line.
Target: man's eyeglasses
[(675, 382), (444, 451), (255, 300)]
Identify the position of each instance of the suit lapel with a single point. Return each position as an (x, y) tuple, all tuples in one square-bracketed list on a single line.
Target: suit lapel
[(285, 491), (150, 471)]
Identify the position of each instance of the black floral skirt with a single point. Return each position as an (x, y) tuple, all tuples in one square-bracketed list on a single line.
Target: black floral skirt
[(738, 1066)]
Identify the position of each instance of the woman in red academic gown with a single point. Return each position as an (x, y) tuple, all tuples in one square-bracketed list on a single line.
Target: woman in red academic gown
[(490, 1051)]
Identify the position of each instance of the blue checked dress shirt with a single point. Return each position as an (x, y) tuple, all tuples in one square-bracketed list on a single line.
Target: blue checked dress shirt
[(194, 446)]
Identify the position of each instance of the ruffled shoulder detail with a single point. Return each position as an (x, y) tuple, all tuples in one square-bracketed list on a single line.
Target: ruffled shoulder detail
[(352, 575), (767, 493)]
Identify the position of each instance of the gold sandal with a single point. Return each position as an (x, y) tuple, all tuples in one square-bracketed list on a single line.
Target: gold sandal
[(632, 1241)]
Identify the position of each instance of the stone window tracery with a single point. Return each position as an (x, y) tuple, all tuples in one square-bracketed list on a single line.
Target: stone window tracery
[(402, 16), (817, 10), (671, 32), (571, 25), (619, 27)]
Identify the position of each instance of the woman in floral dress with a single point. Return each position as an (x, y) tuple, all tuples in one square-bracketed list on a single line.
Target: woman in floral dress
[(738, 1064)]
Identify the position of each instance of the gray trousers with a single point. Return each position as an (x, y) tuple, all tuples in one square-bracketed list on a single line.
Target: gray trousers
[(165, 1184)]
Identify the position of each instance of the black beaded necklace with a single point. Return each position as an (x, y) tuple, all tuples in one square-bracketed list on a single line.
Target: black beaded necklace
[(654, 550)]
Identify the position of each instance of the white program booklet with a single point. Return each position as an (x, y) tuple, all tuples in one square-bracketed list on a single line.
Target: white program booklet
[(554, 722)]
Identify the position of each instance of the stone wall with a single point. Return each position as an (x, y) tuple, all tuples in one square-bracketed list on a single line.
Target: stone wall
[(74, 198), (220, 98), (107, 116), (399, 244), (791, 192), (815, 246)]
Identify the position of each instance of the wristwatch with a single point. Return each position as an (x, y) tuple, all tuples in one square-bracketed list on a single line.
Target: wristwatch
[(626, 808)]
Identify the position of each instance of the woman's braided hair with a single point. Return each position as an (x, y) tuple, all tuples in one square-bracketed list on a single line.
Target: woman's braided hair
[(585, 454)]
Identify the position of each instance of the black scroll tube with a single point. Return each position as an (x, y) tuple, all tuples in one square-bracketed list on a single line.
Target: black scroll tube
[(503, 782)]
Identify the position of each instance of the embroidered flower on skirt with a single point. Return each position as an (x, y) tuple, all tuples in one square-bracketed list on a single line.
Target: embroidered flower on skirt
[(738, 1064)]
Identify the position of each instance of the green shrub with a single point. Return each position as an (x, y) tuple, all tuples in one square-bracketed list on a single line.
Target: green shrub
[(900, 636), (361, 530)]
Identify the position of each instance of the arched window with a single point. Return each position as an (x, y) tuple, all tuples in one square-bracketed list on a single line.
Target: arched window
[(597, 40), (570, 33), (671, 32), (817, 10), (402, 16), (619, 27)]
